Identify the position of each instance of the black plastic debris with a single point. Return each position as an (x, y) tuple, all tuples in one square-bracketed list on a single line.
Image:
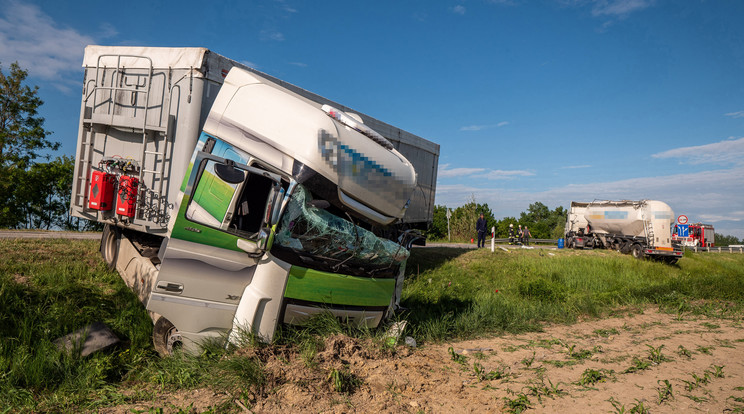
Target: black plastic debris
[(94, 337)]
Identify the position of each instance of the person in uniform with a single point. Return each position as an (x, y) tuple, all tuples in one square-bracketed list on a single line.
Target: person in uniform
[(480, 227)]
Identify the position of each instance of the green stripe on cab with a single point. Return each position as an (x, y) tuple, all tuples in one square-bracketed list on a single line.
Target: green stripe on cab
[(335, 289)]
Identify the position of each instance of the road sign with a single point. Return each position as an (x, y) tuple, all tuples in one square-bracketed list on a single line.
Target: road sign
[(683, 230), (682, 219)]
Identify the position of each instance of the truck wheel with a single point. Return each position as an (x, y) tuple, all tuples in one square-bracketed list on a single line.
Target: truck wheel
[(110, 245), (671, 260), (637, 251), (166, 337)]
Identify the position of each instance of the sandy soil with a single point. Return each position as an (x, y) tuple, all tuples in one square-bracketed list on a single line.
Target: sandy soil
[(701, 359)]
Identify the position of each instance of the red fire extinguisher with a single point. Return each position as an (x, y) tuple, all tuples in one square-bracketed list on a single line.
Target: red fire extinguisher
[(126, 202)]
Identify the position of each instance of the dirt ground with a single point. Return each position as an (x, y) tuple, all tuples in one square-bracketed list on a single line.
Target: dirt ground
[(648, 360)]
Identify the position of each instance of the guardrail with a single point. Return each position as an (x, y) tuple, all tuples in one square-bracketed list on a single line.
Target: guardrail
[(721, 249)]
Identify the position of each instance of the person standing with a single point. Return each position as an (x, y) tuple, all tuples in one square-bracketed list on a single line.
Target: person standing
[(480, 227), (511, 233), (526, 236), (519, 234)]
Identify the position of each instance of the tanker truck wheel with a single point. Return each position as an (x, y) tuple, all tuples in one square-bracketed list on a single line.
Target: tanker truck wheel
[(166, 337), (637, 251), (670, 260)]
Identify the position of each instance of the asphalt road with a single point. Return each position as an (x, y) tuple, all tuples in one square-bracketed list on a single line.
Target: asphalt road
[(488, 246)]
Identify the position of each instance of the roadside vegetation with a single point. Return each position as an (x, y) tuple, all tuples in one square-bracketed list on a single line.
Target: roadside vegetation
[(50, 288), (465, 294)]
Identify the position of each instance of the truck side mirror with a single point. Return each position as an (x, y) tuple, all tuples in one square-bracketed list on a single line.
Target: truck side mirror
[(265, 238), (228, 173)]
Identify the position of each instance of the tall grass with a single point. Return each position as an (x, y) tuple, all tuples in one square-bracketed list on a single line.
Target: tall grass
[(50, 288), (465, 293)]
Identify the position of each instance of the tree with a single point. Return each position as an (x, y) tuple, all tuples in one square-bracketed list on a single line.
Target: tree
[(462, 223), (22, 140), (723, 241), (22, 133), (42, 195), (542, 222)]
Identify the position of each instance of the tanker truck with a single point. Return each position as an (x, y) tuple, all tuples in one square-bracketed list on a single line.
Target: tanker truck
[(233, 202), (641, 228)]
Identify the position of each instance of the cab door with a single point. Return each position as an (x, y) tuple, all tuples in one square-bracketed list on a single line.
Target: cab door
[(216, 243)]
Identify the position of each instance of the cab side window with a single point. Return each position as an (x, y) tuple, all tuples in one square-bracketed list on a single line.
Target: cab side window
[(250, 208), (230, 198)]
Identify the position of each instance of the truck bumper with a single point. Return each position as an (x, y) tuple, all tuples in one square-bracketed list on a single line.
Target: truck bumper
[(360, 301), (663, 252)]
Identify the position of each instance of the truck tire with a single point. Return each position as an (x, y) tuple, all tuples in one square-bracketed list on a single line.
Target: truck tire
[(670, 260), (166, 337), (110, 245), (637, 251)]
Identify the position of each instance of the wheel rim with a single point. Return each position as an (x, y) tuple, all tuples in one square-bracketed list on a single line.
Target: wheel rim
[(636, 250), (173, 340)]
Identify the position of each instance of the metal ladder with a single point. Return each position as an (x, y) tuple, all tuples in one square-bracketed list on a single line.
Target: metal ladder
[(649, 228), (108, 117)]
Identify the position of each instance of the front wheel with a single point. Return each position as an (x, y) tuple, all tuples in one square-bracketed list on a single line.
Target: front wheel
[(637, 251), (166, 337)]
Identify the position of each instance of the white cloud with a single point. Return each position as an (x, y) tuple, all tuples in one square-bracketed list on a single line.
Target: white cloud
[(504, 174), (459, 9), (715, 196), (737, 114), (39, 44), (730, 151), (298, 64), (444, 172), (420, 16), (482, 127), (618, 8), (732, 216), (473, 127), (107, 30), (272, 35), (572, 167)]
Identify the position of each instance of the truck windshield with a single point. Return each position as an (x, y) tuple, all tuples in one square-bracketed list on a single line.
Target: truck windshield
[(318, 235)]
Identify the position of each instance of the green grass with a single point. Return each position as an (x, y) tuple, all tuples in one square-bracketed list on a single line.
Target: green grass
[(50, 288), (464, 293)]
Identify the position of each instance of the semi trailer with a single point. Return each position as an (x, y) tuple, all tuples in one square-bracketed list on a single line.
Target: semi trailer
[(233, 202), (642, 228)]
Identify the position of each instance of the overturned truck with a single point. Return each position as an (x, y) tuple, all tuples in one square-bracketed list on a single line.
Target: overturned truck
[(234, 201), (641, 228)]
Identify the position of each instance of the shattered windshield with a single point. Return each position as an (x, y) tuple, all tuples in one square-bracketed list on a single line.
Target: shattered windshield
[(314, 231)]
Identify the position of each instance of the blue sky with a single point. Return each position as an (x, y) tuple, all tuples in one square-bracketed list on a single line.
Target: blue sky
[(551, 101)]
